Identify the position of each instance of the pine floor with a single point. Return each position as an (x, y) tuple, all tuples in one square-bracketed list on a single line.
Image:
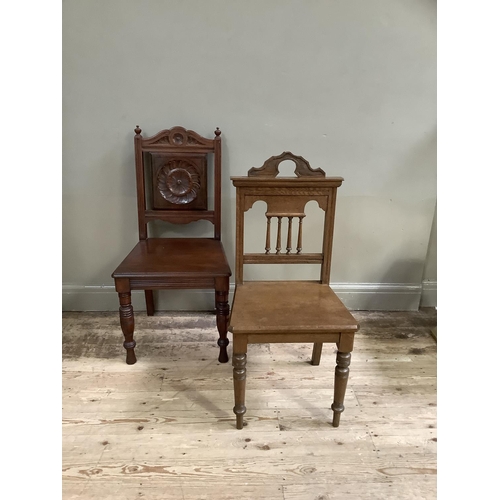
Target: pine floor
[(164, 427)]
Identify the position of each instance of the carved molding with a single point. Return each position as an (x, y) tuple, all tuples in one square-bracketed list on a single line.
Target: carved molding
[(178, 136), (274, 203), (270, 167)]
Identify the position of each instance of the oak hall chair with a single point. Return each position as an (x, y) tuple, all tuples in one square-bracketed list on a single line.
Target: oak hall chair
[(172, 169), (288, 311)]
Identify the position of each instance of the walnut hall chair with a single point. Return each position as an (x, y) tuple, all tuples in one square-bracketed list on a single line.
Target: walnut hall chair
[(173, 164), (288, 311)]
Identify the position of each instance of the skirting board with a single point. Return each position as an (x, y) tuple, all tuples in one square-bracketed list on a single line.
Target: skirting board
[(429, 294), (355, 296)]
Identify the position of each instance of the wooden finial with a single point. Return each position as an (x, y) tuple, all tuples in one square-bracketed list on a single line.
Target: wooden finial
[(137, 130), (217, 132)]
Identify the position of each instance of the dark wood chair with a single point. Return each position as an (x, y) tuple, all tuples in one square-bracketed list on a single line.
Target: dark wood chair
[(288, 311), (174, 165)]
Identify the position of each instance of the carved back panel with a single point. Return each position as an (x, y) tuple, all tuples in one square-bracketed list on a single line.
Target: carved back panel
[(286, 198), (179, 182), (178, 177)]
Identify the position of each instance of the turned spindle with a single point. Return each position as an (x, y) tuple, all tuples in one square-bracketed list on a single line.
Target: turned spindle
[(278, 238)]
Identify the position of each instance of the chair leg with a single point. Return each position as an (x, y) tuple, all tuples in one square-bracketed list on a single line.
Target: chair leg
[(222, 311), (316, 355), (127, 324), (239, 381), (150, 302), (341, 376)]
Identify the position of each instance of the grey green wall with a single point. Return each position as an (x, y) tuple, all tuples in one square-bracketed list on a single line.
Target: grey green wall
[(348, 84)]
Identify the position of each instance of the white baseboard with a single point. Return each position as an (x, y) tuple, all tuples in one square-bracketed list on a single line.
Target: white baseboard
[(379, 296), (105, 298), (355, 296), (429, 294)]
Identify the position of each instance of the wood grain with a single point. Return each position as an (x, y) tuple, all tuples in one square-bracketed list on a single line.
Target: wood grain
[(164, 429)]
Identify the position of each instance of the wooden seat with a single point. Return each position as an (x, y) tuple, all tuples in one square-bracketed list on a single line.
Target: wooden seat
[(288, 311), (175, 258), (172, 176)]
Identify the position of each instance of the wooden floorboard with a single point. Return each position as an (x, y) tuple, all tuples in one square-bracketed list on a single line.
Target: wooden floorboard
[(164, 427)]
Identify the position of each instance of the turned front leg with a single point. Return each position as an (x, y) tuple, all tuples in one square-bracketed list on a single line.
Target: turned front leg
[(239, 381), (341, 376), (222, 316), (127, 324)]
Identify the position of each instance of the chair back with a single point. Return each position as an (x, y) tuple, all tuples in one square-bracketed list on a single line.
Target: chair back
[(171, 172), (286, 198)]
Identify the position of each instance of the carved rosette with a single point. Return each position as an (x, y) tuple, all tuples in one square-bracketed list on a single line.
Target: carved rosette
[(179, 182)]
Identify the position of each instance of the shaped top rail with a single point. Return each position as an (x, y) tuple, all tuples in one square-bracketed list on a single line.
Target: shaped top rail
[(270, 167), (177, 138)]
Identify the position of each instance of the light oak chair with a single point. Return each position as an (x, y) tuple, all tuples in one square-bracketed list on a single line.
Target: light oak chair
[(172, 169), (288, 311)]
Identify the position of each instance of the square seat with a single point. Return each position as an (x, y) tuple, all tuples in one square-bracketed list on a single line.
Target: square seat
[(175, 257), (288, 307)]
